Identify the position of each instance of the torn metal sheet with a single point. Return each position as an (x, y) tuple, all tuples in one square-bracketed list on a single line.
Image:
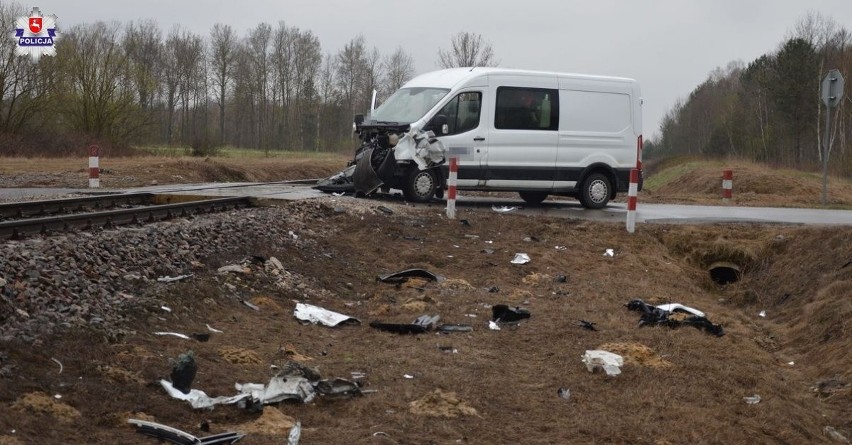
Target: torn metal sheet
[(199, 399), (605, 360), (677, 307), (520, 258), (176, 436), (295, 434), (316, 314), (403, 275), (279, 389)]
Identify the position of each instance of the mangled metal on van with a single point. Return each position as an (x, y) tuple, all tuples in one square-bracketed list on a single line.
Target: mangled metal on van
[(392, 156)]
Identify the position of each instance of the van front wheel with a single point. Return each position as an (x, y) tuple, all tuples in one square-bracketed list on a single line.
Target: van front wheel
[(533, 197), (595, 191), (420, 185)]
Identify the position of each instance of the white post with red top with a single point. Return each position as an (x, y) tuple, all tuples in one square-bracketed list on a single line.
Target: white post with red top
[(632, 191), (451, 187), (727, 184), (94, 169)]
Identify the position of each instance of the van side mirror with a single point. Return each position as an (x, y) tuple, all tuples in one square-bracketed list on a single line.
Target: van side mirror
[(359, 119), (439, 123)]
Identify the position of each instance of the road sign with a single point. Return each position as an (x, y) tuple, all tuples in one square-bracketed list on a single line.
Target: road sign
[(832, 88)]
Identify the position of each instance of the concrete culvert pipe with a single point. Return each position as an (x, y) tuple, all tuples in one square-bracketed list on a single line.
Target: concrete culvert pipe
[(724, 272)]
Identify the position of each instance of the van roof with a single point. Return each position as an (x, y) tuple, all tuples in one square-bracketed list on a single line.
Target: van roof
[(448, 78)]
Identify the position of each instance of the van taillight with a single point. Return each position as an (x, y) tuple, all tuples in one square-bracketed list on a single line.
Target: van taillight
[(639, 153)]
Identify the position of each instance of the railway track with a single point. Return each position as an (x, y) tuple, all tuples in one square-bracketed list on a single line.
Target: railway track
[(46, 217)]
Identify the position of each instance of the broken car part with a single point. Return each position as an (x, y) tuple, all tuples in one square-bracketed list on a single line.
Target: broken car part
[(176, 436), (404, 275), (654, 315), (605, 360), (316, 314)]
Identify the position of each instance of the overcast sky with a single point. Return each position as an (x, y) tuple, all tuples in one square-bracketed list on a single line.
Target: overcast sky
[(669, 46)]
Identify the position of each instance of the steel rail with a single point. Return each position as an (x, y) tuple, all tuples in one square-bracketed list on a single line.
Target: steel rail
[(109, 218), (28, 209)]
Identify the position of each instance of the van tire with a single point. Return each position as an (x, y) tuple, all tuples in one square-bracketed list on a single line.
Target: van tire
[(595, 191), (420, 185), (533, 198)]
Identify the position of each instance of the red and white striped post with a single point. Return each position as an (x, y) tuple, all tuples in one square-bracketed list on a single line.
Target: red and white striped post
[(451, 187), (94, 169), (631, 200), (727, 184)]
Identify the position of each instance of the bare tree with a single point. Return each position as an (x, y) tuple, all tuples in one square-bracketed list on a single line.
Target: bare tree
[(468, 49), (258, 52), (350, 69), (21, 96), (223, 52), (398, 68), (142, 44), (373, 73)]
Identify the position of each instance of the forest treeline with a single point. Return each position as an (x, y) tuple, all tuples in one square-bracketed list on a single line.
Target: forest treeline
[(770, 109), (133, 84)]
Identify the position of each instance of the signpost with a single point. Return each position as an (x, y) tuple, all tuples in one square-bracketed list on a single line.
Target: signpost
[(831, 92)]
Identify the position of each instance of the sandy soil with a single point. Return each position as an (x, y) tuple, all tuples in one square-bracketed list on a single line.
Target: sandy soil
[(677, 386)]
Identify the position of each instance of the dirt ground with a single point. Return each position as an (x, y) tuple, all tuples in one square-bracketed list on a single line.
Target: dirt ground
[(677, 386)]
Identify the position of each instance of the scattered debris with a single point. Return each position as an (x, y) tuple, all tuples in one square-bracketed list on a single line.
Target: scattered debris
[(655, 315), (295, 434), (278, 389), (338, 387), (384, 210), (447, 328), (422, 324), (173, 334), (408, 376), (587, 325), (199, 399), (607, 361), (752, 400), (762, 314), (565, 393), (404, 275), (176, 436), (520, 258), (560, 248), (58, 363), (250, 305), (211, 329), (168, 279), (677, 307), (166, 308), (493, 326), (609, 252), (503, 209), (316, 314), (504, 314), (183, 372)]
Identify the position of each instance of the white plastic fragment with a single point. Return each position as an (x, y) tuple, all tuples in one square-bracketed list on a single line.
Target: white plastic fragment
[(503, 209), (166, 308), (235, 268), (211, 329), (762, 314), (408, 376), (316, 314), (609, 362), (791, 363), (168, 279), (174, 334), (199, 399), (753, 400), (560, 248), (677, 307), (520, 258), (58, 363), (493, 325), (295, 434), (609, 252)]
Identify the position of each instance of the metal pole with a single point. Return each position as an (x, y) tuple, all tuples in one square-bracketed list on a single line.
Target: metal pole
[(826, 145)]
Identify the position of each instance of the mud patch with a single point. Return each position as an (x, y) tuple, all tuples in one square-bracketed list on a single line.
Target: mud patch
[(271, 423), (41, 403), (440, 404), (636, 354), (240, 356)]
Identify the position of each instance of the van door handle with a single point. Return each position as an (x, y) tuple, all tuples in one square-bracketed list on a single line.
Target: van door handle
[(479, 139)]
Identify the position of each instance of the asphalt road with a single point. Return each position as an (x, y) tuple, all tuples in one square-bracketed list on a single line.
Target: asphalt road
[(615, 212)]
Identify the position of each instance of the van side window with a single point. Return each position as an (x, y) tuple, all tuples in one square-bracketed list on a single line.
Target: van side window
[(526, 109), (462, 112)]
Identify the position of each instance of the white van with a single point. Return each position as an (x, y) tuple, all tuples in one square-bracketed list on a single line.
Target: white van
[(535, 133)]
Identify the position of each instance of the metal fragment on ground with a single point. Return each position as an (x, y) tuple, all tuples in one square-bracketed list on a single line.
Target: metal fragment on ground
[(605, 360), (176, 436), (316, 314), (403, 275), (520, 258)]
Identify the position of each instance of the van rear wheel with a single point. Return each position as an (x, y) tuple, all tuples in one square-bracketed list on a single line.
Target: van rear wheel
[(420, 185), (595, 191), (533, 197)]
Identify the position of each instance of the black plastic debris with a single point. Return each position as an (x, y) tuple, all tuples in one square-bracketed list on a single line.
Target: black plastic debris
[(337, 387), (422, 324), (587, 325), (183, 372), (560, 279), (652, 315), (384, 210), (447, 328), (493, 289), (404, 275), (176, 436), (506, 314), (464, 222)]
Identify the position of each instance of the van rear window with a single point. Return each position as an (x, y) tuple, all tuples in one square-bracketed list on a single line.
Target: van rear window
[(592, 111), (526, 109)]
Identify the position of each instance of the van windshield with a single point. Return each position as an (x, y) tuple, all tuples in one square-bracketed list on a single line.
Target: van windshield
[(408, 105)]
